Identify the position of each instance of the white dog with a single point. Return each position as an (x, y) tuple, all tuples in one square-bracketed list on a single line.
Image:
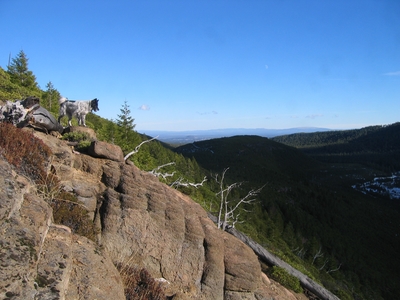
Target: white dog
[(79, 109)]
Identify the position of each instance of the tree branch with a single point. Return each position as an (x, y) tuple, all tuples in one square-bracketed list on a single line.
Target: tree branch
[(138, 148), (163, 175), (318, 254), (323, 266), (334, 270), (228, 212), (180, 182)]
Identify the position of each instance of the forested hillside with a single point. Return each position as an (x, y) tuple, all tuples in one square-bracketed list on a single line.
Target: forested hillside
[(306, 210), (309, 213), (376, 146)]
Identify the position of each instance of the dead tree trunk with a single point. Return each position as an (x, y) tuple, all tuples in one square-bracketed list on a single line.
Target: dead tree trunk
[(272, 260), (227, 215)]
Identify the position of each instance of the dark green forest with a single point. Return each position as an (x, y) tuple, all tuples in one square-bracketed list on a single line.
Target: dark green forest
[(307, 212), (374, 146)]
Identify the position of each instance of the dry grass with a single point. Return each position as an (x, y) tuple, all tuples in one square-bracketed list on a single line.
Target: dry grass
[(23, 150), (139, 285), (32, 158)]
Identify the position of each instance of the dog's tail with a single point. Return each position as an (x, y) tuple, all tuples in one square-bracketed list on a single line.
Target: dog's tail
[(62, 100)]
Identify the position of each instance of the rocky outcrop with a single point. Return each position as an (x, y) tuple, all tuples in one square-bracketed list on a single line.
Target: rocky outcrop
[(153, 226), (42, 260), (106, 150), (142, 222)]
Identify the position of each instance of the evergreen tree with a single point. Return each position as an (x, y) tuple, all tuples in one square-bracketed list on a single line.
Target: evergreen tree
[(50, 98), (50, 91), (19, 72), (127, 137)]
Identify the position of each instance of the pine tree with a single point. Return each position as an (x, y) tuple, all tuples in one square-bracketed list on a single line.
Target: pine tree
[(19, 72), (50, 98), (50, 90), (126, 134)]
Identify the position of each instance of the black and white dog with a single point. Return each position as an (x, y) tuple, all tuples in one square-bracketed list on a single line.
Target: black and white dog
[(79, 109)]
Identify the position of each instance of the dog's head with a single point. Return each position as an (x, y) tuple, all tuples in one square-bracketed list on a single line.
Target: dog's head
[(94, 104)]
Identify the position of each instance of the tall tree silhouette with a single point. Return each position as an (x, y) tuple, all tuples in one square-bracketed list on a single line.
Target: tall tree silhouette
[(19, 72), (126, 133)]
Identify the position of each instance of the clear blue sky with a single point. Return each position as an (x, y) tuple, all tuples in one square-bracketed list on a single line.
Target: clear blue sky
[(202, 64)]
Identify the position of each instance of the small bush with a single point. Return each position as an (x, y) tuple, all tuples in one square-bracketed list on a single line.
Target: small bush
[(82, 138), (139, 285), (75, 136), (69, 212), (83, 146), (283, 277), (24, 151)]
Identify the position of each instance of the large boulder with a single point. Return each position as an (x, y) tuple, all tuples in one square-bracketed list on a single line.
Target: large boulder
[(105, 150)]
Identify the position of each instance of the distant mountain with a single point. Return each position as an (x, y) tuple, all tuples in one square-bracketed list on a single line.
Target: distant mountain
[(374, 146), (378, 134), (190, 136)]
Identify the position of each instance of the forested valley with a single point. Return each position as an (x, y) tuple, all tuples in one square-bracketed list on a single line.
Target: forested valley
[(309, 213), (306, 211)]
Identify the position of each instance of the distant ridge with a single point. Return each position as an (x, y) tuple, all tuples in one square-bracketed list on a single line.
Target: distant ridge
[(190, 136)]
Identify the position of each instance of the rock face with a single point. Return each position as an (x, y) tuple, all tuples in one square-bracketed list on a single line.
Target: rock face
[(42, 260), (142, 222), (151, 225)]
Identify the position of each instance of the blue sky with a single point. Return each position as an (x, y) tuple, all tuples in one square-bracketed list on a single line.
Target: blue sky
[(190, 65)]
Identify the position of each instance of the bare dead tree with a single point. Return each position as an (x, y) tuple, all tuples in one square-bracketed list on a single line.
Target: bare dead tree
[(317, 255), (334, 270), (301, 253), (180, 181), (156, 172), (323, 266), (223, 193), (227, 209), (137, 148), (183, 182), (235, 219)]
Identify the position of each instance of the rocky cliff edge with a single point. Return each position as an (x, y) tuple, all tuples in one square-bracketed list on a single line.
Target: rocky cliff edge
[(142, 223)]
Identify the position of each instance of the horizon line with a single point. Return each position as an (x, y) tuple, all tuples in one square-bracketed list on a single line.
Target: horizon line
[(253, 128)]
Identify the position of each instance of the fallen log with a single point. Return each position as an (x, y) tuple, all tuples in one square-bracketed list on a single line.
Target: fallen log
[(272, 260)]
